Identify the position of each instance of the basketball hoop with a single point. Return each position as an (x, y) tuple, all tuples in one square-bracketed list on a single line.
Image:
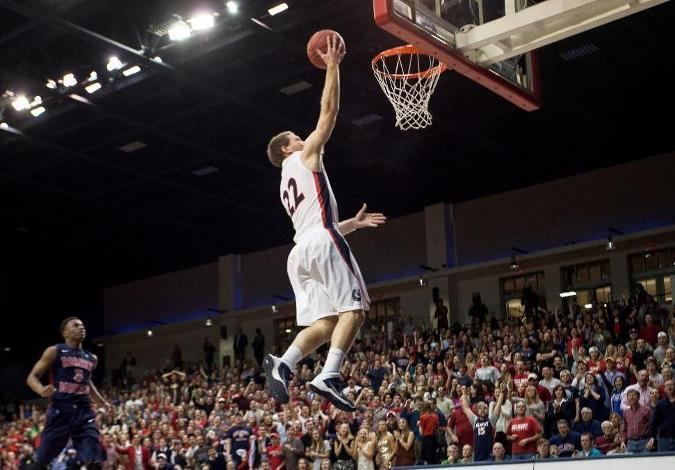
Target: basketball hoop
[(408, 77)]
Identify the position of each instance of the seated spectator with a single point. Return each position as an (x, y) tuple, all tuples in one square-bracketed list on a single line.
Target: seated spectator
[(467, 454), (610, 440), (453, 455), (587, 423), (587, 448), (498, 453), (567, 442), (544, 449)]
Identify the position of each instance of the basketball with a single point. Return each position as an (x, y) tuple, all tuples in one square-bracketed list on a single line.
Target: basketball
[(319, 41)]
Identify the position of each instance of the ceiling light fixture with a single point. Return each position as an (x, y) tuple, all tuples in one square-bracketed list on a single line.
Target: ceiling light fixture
[(514, 264), (588, 306), (275, 309), (93, 75), (51, 84), (208, 322), (569, 293), (149, 333), (69, 80), (179, 31), (113, 64), (422, 282), (201, 22), (131, 70), (93, 88), (20, 103), (4, 125), (37, 111), (275, 10), (232, 7)]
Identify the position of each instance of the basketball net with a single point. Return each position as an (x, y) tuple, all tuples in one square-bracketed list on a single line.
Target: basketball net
[(408, 77)]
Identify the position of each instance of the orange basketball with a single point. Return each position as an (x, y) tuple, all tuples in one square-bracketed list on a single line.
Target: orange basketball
[(319, 41)]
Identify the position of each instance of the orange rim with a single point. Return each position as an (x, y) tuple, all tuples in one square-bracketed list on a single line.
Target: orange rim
[(406, 50)]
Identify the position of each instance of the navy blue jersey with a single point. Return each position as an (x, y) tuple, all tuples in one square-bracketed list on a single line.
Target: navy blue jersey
[(483, 438), (71, 374)]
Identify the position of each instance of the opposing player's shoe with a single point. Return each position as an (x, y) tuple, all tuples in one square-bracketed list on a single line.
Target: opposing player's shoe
[(330, 386), (278, 375)]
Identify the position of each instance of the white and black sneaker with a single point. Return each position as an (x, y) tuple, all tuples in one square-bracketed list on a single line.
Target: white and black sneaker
[(277, 374), (330, 386)]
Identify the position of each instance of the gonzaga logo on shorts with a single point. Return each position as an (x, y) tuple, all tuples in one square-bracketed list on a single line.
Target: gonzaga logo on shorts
[(356, 295)]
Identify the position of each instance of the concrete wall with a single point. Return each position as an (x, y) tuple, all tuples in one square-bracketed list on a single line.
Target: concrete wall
[(628, 197), (179, 295)]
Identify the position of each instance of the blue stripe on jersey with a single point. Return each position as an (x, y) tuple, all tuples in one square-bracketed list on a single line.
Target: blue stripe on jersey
[(323, 194)]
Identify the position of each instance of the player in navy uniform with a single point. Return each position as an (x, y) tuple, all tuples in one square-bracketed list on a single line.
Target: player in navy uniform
[(483, 425), (70, 414), (330, 295)]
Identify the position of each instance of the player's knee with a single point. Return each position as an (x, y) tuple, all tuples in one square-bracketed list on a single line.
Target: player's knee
[(355, 317)]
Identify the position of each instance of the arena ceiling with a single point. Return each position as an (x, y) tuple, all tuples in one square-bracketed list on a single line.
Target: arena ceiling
[(166, 168)]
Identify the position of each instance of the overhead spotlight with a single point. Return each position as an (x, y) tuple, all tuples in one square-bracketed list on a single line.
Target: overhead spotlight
[(232, 6), (93, 76), (131, 70), (202, 21), (275, 309), (208, 322), (569, 293), (288, 330), (20, 103), (149, 333), (37, 111), (51, 84), (69, 80), (422, 282), (113, 64), (93, 88), (588, 306), (4, 125), (179, 31), (275, 10), (514, 264), (610, 246), (7, 349)]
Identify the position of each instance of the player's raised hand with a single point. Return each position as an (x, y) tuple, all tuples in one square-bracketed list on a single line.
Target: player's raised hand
[(334, 52), (364, 219), (47, 391)]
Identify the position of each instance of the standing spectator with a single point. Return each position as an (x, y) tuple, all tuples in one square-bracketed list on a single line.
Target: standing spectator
[(274, 452), (483, 425), (238, 437), (209, 354), (405, 444), (587, 448), (239, 346), (441, 316), (593, 396), (177, 357), (386, 446), (428, 424), (258, 344), (341, 450), (559, 408), (524, 432), (636, 417), (663, 344), (478, 311), (649, 332), (662, 426), (642, 387)]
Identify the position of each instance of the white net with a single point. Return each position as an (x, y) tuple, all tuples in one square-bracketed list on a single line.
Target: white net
[(408, 77)]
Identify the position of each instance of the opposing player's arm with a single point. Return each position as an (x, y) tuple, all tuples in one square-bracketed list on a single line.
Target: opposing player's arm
[(330, 105), (38, 370)]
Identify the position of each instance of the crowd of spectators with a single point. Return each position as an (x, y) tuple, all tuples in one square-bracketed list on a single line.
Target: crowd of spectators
[(573, 382)]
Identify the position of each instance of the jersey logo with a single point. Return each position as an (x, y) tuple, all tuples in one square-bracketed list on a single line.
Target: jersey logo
[(356, 295), (292, 206), (79, 375)]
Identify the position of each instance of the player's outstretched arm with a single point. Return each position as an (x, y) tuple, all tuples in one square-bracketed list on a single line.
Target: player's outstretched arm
[(330, 104), (40, 367), (362, 219)]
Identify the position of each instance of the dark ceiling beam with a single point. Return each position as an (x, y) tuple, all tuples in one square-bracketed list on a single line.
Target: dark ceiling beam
[(62, 8), (164, 182)]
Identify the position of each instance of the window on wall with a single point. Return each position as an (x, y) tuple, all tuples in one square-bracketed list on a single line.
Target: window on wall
[(382, 311), (286, 331), (512, 289), (653, 270), (649, 261), (602, 295), (591, 281)]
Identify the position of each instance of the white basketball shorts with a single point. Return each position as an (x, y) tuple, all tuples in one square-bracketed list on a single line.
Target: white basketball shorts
[(325, 277)]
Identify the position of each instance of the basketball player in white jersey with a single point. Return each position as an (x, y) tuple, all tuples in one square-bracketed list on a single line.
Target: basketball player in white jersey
[(330, 294)]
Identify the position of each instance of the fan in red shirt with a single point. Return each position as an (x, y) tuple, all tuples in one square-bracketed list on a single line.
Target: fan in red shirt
[(524, 432), (275, 453)]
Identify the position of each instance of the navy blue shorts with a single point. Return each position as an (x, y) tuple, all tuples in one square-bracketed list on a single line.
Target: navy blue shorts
[(76, 422)]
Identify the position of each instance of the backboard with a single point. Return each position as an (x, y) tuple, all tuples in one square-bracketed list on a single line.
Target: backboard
[(432, 26)]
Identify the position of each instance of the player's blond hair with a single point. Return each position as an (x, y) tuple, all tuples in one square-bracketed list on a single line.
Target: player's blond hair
[(274, 152)]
